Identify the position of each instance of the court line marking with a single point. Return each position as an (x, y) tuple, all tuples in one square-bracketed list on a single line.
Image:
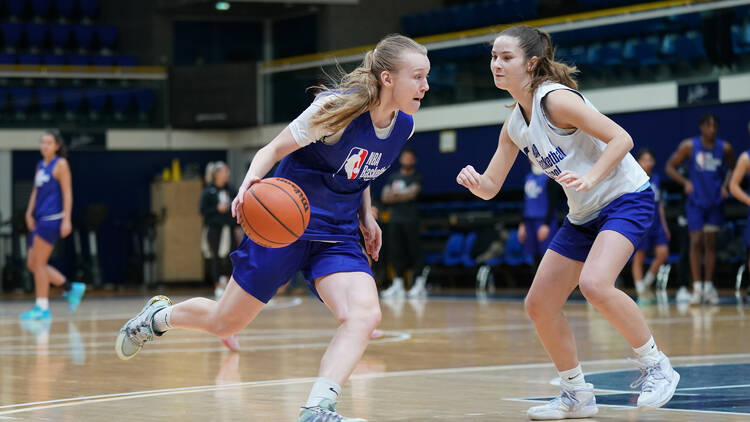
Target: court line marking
[(75, 401)]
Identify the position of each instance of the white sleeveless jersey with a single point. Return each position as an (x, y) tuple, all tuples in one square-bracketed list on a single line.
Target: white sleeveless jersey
[(556, 150)]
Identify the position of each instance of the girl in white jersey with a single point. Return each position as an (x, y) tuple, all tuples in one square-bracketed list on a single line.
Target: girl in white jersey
[(611, 207)]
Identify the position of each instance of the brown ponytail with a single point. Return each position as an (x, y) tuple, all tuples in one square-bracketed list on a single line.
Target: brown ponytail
[(358, 91), (537, 43)]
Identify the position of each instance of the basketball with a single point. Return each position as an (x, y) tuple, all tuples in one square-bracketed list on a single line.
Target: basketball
[(275, 212)]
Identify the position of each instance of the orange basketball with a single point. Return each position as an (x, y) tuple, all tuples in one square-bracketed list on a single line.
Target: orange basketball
[(275, 212)]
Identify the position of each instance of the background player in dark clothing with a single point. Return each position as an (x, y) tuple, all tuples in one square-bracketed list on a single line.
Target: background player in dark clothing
[(400, 196)]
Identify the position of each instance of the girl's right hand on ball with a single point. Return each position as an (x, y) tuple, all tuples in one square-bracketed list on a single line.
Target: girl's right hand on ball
[(240, 198)]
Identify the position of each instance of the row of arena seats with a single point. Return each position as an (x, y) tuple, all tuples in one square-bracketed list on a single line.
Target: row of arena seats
[(470, 15), (58, 35), (60, 9), (459, 246), (72, 100), (120, 60)]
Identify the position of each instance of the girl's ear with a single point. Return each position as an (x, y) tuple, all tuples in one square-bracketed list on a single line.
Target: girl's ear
[(386, 78), (532, 63)]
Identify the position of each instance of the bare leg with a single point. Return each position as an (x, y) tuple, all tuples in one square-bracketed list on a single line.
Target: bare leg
[(637, 265), (233, 312), (661, 253), (353, 299), (608, 255), (554, 281), (55, 276), (37, 263), (709, 245), (696, 249)]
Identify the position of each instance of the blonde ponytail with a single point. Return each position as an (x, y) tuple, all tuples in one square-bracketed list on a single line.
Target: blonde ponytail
[(358, 91)]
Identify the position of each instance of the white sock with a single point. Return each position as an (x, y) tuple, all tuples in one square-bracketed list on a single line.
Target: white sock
[(42, 303), (708, 285), (321, 390), (162, 320), (398, 281), (648, 279), (647, 350), (572, 377), (697, 286)]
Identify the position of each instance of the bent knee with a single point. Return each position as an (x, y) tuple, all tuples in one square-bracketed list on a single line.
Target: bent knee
[(591, 288), (368, 317), (536, 308)]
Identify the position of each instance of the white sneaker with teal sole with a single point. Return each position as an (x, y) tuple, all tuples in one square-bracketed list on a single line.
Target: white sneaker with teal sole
[(573, 402), (139, 329), (658, 381), (324, 412)]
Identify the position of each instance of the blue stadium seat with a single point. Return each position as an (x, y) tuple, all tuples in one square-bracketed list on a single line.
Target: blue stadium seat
[(22, 98), (15, 7), (65, 8), (78, 60), (125, 60), (121, 99), (89, 8), (7, 58), (514, 253), (12, 33), (97, 99), (40, 8), (36, 34), (689, 46), (71, 99), (47, 98), (642, 52), (53, 59), (453, 248), (144, 100), (102, 60), (60, 35), (29, 59), (611, 54), (107, 35), (84, 35), (741, 38), (466, 258)]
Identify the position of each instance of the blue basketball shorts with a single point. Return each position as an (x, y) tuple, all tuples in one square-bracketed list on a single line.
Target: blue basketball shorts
[(260, 271), (630, 215), (699, 216), (655, 236), (49, 231)]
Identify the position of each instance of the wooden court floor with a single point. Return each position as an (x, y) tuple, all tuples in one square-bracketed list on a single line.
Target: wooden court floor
[(443, 359)]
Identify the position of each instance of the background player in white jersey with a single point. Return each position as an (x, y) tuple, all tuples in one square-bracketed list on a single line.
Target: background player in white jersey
[(611, 206), (347, 137)]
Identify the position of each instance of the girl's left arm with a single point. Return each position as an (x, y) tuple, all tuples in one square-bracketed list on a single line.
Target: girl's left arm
[(371, 231), (63, 176), (566, 109)]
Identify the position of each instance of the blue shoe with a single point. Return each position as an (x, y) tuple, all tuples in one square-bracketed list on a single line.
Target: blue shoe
[(75, 295), (35, 313)]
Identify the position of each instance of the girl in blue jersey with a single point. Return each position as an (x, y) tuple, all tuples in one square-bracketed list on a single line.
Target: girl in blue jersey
[(539, 213), (48, 218), (349, 135), (657, 237), (610, 203), (706, 188)]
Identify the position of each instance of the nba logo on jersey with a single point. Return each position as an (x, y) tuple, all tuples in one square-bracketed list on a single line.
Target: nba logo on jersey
[(353, 163), (41, 178), (706, 161)]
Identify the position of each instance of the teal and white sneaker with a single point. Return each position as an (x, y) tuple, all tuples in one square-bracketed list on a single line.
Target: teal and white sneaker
[(324, 412), (77, 289), (139, 329), (572, 403), (36, 313)]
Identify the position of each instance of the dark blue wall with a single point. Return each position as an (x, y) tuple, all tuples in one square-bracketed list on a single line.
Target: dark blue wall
[(122, 181)]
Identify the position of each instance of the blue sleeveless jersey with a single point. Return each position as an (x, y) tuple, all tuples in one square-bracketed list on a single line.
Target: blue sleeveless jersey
[(536, 201), (707, 173), (48, 193), (334, 176)]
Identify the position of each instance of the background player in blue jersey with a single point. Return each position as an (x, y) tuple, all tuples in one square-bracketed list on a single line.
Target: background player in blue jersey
[(657, 237), (48, 218), (706, 188), (610, 203), (540, 198), (739, 173), (349, 135)]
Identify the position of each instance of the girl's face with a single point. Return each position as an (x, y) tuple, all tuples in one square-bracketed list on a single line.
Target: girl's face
[(509, 66), (48, 146), (409, 81), (221, 176), (647, 162)]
